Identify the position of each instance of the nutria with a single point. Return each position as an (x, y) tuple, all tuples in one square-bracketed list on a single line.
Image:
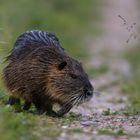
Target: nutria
[(39, 71)]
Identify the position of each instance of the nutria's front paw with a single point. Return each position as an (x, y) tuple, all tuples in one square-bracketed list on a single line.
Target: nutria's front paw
[(65, 109), (52, 113)]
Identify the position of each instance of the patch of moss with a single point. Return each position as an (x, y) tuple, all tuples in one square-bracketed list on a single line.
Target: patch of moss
[(75, 130), (119, 132), (105, 131), (106, 112)]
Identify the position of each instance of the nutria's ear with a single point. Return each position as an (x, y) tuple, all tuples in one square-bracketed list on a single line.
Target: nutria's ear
[(62, 65)]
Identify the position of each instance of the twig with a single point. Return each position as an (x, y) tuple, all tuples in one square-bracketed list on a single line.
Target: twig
[(129, 28)]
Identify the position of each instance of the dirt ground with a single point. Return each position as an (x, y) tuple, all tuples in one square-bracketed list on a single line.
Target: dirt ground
[(103, 118)]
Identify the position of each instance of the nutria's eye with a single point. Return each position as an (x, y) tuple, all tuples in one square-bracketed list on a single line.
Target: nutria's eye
[(62, 65), (73, 76), (77, 67)]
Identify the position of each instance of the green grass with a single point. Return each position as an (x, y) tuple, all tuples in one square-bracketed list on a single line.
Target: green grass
[(16, 125), (29, 126), (75, 130), (72, 21), (132, 85)]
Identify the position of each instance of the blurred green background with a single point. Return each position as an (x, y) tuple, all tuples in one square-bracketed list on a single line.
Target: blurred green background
[(70, 20)]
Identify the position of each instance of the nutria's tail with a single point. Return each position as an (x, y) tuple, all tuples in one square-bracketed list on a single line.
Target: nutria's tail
[(30, 40)]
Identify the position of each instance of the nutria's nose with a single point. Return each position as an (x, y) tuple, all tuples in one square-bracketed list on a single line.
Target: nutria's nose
[(88, 90), (89, 93)]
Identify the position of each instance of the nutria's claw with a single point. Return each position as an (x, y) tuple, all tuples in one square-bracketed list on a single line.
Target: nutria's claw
[(52, 113), (65, 109), (41, 111)]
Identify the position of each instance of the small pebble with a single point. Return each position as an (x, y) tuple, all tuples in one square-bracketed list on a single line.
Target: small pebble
[(65, 126)]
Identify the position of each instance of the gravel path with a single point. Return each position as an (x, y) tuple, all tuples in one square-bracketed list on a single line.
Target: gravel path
[(102, 117)]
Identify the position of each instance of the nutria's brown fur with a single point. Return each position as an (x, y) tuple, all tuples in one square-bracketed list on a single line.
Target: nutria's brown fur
[(40, 72)]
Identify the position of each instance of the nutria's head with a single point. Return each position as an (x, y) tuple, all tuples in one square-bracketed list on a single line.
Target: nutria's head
[(68, 82)]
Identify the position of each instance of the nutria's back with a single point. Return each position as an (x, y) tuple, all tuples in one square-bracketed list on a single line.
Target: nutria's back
[(30, 40), (40, 72)]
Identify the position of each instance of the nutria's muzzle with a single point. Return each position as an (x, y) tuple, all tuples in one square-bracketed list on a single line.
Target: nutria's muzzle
[(88, 90)]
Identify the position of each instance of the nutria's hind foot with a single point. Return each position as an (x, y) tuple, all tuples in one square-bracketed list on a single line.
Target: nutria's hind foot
[(27, 105), (12, 100)]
